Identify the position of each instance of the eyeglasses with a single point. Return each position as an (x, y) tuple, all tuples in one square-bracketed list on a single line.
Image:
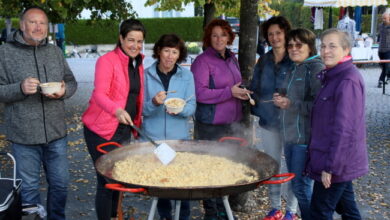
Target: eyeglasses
[(298, 46)]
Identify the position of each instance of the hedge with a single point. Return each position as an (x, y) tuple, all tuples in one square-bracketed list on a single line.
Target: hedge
[(106, 31), (85, 32)]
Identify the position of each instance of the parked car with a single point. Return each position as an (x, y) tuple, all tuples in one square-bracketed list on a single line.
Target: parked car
[(234, 23)]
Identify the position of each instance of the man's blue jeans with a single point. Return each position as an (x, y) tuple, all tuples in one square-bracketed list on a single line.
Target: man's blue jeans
[(53, 158), (301, 185), (339, 197)]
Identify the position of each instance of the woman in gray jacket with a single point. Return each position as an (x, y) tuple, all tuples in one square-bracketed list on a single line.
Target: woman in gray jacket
[(302, 86)]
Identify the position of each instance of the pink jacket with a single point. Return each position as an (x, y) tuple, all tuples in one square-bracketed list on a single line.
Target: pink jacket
[(112, 87)]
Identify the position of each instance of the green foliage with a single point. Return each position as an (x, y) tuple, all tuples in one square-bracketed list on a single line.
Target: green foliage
[(15, 23), (189, 29), (223, 6), (60, 11), (106, 31)]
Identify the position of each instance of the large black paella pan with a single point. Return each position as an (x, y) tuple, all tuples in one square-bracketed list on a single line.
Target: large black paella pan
[(265, 165)]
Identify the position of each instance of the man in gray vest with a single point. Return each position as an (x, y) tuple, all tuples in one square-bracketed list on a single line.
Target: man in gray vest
[(36, 122)]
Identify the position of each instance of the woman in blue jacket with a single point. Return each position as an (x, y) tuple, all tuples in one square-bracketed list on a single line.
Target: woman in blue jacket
[(166, 75), (302, 85)]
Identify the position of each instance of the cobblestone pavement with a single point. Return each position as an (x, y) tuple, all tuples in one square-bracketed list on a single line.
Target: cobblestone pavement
[(372, 190)]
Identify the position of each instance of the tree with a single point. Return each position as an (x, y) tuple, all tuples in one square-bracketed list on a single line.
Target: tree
[(210, 7), (60, 11)]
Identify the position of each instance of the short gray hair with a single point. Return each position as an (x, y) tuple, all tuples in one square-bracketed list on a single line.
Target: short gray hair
[(387, 11), (344, 37)]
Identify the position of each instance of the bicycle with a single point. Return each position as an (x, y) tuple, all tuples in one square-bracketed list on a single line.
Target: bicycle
[(74, 53)]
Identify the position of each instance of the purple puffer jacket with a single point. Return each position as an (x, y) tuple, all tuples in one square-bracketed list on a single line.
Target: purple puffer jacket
[(338, 142), (214, 78)]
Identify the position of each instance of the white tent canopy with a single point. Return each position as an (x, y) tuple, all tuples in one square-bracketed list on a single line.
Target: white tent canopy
[(343, 3)]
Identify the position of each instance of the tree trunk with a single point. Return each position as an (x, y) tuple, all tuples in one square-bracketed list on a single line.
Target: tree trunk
[(247, 59), (247, 46), (209, 11)]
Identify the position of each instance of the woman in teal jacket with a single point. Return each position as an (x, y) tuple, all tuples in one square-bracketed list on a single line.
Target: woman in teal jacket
[(166, 75)]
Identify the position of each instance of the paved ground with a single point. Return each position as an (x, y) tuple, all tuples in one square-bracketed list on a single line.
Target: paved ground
[(372, 190)]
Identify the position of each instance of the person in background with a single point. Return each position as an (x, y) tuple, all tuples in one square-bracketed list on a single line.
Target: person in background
[(116, 102), (337, 149), (163, 76), (302, 85), (269, 75), (218, 95), (261, 44), (384, 47), (36, 122), (60, 36)]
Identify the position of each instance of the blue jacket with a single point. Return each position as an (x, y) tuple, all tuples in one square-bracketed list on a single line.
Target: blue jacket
[(157, 123), (267, 77), (338, 142)]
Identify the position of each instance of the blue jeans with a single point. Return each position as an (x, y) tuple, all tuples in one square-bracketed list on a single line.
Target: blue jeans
[(339, 197), (272, 146), (53, 157), (164, 208), (302, 185)]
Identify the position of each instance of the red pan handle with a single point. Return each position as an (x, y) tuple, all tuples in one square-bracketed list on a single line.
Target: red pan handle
[(122, 188), (289, 176), (99, 147), (242, 140)]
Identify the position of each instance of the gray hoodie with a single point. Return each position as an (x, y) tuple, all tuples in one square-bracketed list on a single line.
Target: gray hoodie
[(302, 86), (33, 119)]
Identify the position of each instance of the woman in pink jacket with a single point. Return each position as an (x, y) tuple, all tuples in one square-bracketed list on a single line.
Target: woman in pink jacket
[(116, 101)]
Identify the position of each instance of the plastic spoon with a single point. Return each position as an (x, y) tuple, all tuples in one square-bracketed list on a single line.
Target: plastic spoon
[(252, 101)]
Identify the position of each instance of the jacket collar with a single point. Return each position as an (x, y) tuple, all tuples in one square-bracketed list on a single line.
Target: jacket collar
[(211, 51), (17, 39), (124, 57), (335, 71), (152, 70)]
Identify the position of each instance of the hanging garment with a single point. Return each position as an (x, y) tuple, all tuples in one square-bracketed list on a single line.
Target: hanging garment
[(319, 19), (358, 18), (349, 25)]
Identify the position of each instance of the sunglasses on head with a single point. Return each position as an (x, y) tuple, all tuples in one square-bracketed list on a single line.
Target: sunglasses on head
[(298, 46)]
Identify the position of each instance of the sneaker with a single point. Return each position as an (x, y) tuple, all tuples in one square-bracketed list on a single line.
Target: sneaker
[(224, 216), (274, 214), (290, 216), (379, 84)]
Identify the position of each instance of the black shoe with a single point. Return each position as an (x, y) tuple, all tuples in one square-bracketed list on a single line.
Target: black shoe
[(380, 84)]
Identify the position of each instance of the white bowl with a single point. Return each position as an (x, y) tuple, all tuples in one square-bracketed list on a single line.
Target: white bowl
[(175, 105), (50, 87)]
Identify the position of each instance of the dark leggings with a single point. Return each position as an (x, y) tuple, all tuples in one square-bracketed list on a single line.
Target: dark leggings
[(106, 200), (213, 207)]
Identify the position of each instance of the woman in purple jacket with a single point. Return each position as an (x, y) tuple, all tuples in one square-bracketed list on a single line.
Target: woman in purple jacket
[(218, 95), (337, 151)]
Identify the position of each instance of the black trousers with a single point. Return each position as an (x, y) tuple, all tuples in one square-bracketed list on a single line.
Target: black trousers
[(106, 200), (385, 66), (214, 207)]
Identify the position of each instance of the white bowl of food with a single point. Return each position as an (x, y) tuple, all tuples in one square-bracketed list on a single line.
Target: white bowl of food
[(174, 105), (50, 88)]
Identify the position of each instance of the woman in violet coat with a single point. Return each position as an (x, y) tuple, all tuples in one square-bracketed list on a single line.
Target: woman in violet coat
[(218, 95), (337, 150)]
